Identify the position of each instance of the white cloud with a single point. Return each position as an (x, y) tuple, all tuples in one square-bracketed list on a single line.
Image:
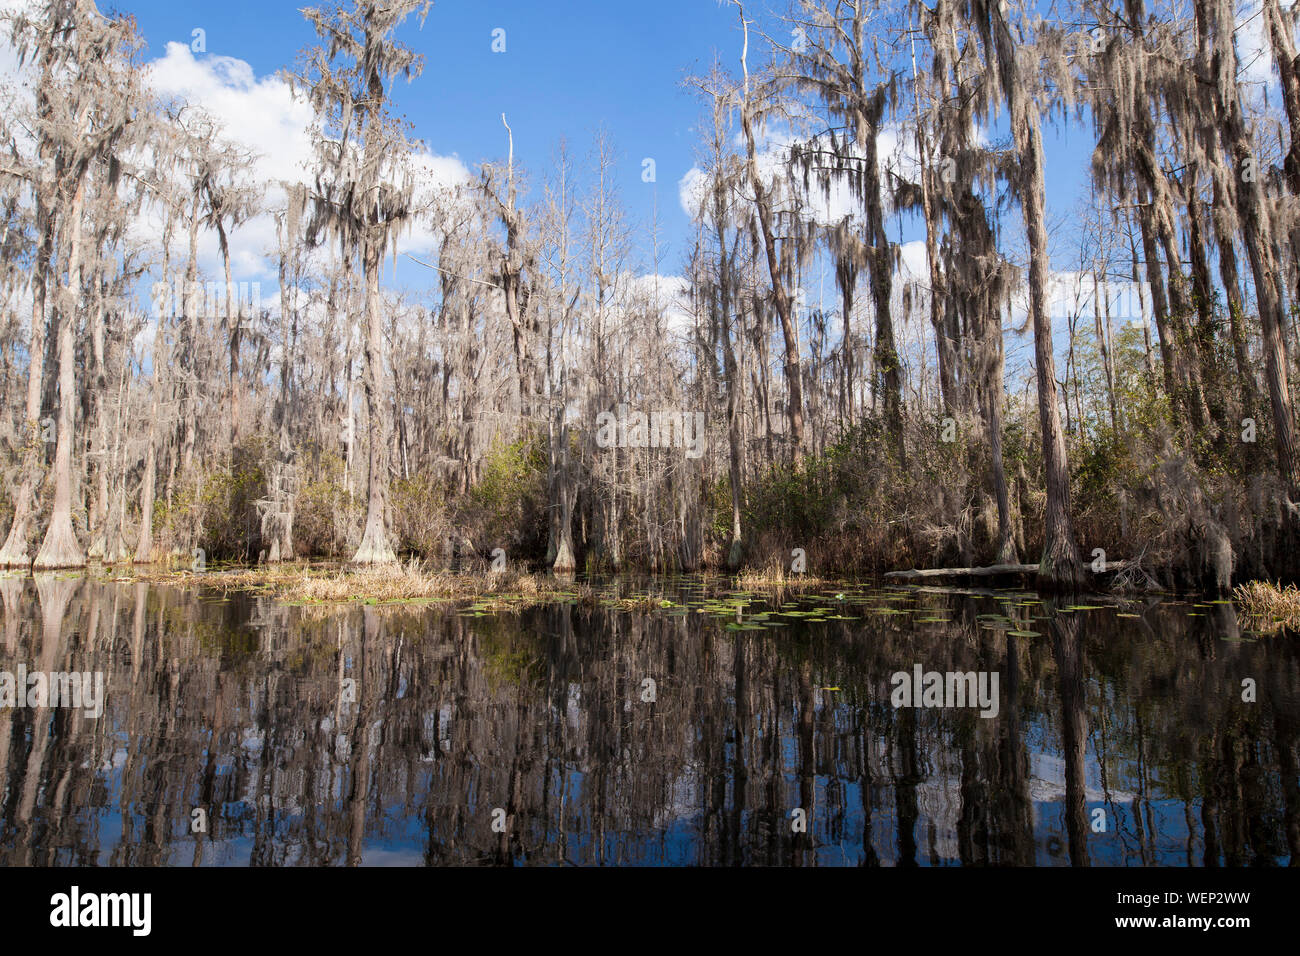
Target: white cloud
[(913, 263), (827, 200), (692, 189), (262, 115), (772, 155), (671, 295)]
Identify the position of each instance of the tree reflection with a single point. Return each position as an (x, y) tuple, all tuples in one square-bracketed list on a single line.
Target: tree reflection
[(391, 735)]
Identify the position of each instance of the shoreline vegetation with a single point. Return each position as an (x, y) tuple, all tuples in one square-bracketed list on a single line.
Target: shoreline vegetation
[(1264, 607), (1267, 607), (412, 581)]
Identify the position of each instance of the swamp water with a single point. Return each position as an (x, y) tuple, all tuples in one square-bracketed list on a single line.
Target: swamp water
[(669, 722)]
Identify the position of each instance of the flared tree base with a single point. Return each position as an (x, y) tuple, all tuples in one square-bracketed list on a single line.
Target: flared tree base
[(564, 560), (60, 549), (14, 553), (374, 548), (735, 556), (1060, 569), (14, 557)]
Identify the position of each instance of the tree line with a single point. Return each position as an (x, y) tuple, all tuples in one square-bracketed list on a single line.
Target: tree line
[(152, 410)]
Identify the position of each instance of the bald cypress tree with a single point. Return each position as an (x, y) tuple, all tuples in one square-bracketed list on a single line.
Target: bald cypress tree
[(86, 102), (977, 280), (363, 194), (1139, 68), (1012, 61), (776, 242), (835, 60), (1216, 24)]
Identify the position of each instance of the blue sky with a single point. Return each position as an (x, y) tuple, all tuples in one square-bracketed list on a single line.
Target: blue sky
[(619, 65), (616, 64)]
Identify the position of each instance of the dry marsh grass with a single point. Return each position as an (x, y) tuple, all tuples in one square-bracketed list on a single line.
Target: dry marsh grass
[(404, 582), (331, 584), (774, 581), (326, 586), (1269, 607)]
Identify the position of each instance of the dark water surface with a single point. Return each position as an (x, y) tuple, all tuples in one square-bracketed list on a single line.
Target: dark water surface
[(403, 734)]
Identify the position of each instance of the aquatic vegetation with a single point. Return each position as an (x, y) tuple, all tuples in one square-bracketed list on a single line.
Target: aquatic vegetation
[(405, 583), (1269, 607), (776, 582)]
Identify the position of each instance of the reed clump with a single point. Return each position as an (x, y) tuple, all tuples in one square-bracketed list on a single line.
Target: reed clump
[(1268, 606), (400, 582), (773, 580)]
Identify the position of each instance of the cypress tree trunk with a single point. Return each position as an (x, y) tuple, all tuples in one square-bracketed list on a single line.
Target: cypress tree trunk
[(881, 265), (374, 547), (233, 334), (1059, 565), (14, 552), (1225, 238), (781, 300), (144, 542), (1203, 335), (1216, 19), (60, 549), (1006, 537), (97, 518)]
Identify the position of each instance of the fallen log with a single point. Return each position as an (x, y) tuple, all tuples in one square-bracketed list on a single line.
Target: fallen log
[(962, 574), (1024, 572)]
